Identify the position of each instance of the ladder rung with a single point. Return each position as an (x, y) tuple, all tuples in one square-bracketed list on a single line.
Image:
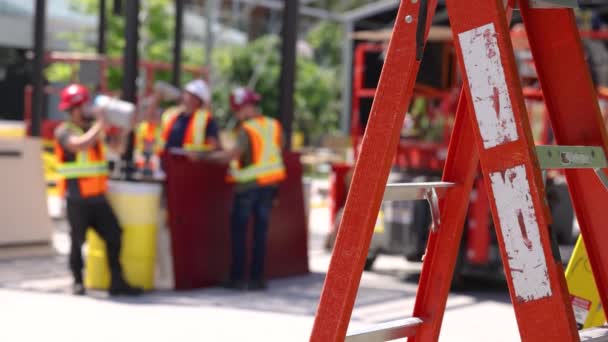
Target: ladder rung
[(414, 191), (554, 4), (571, 157), (599, 334), (386, 331)]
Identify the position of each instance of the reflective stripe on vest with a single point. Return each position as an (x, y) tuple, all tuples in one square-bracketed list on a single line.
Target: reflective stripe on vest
[(91, 173), (194, 136), (267, 166), (168, 119), (83, 166)]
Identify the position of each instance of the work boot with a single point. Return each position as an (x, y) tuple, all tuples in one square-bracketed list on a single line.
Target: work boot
[(258, 285), (78, 289), (122, 288)]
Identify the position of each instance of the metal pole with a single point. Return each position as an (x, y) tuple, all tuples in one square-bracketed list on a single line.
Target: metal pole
[(130, 67), (211, 9), (347, 71), (129, 87), (177, 42), (288, 67), (117, 8), (39, 29), (101, 37)]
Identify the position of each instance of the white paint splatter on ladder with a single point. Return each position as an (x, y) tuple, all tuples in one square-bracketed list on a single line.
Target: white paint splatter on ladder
[(520, 232), (488, 86)]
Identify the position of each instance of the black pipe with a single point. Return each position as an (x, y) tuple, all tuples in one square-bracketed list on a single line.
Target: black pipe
[(117, 8), (130, 66), (177, 42), (38, 101), (101, 35), (288, 67)]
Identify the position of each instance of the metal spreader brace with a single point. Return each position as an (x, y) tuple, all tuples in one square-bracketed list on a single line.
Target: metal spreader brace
[(491, 129)]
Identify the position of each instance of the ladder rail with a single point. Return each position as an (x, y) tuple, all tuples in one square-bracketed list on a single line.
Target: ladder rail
[(379, 144), (443, 246), (552, 49), (511, 170)]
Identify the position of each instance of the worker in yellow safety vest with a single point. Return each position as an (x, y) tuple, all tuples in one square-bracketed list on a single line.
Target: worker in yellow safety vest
[(148, 144), (190, 127), (256, 169), (83, 170)]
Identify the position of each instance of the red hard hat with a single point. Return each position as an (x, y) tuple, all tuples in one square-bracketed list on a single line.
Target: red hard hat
[(241, 97), (73, 95)]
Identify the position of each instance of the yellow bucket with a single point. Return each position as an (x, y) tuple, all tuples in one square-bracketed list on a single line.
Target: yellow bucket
[(136, 205)]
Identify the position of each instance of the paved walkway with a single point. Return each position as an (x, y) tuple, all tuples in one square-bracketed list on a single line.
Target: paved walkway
[(35, 304)]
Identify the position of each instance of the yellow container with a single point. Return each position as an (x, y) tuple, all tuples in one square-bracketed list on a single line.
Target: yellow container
[(136, 205), (585, 298), (12, 129), (297, 141)]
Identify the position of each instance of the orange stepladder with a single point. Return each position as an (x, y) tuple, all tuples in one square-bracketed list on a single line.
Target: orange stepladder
[(492, 129)]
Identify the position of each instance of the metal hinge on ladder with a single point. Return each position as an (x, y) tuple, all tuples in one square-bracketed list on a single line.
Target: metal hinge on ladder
[(554, 4), (431, 192), (574, 157)]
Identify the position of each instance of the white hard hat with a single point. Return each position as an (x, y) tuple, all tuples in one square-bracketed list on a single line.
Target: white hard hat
[(200, 89)]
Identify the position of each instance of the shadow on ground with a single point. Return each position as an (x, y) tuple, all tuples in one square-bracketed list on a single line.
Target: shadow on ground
[(297, 295)]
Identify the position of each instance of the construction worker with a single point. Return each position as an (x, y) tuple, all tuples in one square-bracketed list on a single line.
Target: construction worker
[(190, 126), (148, 142), (83, 182), (256, 169)]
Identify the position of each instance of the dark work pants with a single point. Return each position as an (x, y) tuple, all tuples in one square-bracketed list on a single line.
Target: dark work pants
[(96, 214), (256, 202)]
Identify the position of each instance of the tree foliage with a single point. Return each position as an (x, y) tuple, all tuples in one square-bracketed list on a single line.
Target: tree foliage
[(257, 64), (314, 93)]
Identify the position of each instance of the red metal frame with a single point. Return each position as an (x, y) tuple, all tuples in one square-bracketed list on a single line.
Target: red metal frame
[(410, 154), (505, 148)]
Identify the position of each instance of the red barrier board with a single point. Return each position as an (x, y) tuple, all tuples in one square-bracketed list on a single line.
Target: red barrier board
[(199, 202)]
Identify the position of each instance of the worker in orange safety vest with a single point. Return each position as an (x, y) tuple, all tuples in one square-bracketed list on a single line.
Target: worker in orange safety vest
[(190, 126), (148, 144), (256, 168), (83, 171)]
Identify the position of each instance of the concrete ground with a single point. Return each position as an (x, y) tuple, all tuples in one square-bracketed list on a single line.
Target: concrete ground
[(35, 304)]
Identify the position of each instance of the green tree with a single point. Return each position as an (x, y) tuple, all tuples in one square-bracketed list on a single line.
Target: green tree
[(317, 83), (314, 115), (156, 33), (326, 40)]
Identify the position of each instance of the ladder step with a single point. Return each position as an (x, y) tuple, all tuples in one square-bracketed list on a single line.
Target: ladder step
[(571, 157), (599, 334), (386, 331), (554, 4), (414, 191)]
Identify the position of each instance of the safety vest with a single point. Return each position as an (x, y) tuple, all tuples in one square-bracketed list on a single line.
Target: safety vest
[(148, 135), (148, 138), (90, 167), (267, 163), (194, 138)]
